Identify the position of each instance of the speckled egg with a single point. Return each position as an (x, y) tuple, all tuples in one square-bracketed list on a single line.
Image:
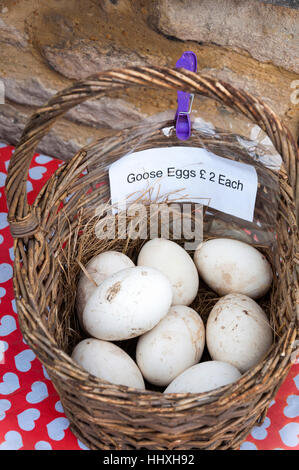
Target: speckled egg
[(238, 332), (176, 264), (229, 266), (175, 344), (204, 377), (127, 304), (108, 362), (99, 268)]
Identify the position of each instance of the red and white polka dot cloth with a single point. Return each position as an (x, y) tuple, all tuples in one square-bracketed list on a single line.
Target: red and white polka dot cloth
[(31, 415)]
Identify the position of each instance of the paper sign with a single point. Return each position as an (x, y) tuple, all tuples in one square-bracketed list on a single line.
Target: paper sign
[(188, 174)]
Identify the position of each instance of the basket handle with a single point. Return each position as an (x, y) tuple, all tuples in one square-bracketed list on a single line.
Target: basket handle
[(24, 221)]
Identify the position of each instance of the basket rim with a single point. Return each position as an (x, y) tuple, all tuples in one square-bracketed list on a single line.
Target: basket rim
[(20, 216)]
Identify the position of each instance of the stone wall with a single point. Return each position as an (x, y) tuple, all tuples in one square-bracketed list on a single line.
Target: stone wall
[(44, 46)]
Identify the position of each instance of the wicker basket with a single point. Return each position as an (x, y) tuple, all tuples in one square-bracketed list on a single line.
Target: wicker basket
[(103, 415)]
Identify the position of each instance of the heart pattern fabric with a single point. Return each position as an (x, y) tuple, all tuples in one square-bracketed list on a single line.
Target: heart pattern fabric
[(7, 325), (31, 413), (4, 406), (27, 418), (12, 441), (23, 360), (38, 392)]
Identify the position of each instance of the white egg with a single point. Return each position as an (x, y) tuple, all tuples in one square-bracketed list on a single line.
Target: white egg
[(127, 304), (238, 331), (204, 377), (108, 362), (175, 344), (233, 266), (173, 261), (99, 268)]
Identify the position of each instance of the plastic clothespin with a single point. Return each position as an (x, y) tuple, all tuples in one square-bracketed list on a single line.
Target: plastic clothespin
[(182, 118)]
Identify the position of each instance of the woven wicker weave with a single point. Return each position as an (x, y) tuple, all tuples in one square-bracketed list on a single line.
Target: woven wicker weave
[(107, 416)]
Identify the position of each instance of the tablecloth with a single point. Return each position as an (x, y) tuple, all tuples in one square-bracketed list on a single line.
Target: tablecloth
[(31, 414)]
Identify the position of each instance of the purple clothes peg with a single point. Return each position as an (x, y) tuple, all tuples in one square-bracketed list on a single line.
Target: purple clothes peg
[(183, 123)]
